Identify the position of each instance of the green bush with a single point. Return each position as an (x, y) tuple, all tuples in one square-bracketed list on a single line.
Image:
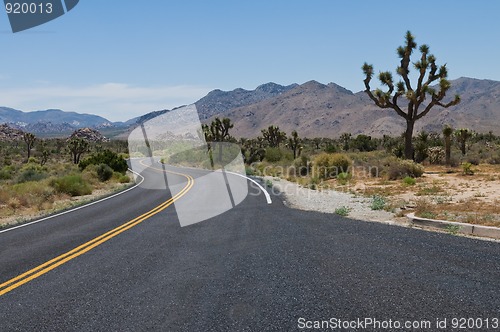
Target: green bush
[(104, 172), (330, 148), (124, 179), (73, 185), (31, 172), (467, 169), (6, 173), (399, 169), (342, 211), (113, 160), (329, 166), (378, 203), (273, 155), (343, 178), (409, 181)]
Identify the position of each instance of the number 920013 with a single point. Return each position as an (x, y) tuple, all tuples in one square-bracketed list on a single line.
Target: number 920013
[(28, 8)]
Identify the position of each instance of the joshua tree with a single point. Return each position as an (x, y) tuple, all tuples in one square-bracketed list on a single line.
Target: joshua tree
[(415, 95), (447, 132), (44, 153), (294, 143), (77, 147), (29, 139), (218, 131), (463, 135), (317, 142), (274, 136), (252, 152), (345, 138)]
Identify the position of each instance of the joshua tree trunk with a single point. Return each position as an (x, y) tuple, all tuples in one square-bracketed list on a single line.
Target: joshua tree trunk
[(447, 143), (409, 151)]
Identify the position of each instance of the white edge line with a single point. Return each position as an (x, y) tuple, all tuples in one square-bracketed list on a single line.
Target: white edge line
[(268, 197), (77, 208)]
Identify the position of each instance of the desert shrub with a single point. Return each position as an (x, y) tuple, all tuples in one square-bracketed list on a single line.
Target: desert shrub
[(330, 148), (301, 166), (124, 179), (273, 155), (328, 166), (33, 194), (409, 181), (378, 203), (467, 169), (6, 173), (104, 172), (343, 211), (364, 143), (31, 172), (112, 159), (399, 169), (343, 178), (73, 185)]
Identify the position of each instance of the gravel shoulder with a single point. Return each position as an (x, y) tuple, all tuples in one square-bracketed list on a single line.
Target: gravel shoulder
[(327, 201)]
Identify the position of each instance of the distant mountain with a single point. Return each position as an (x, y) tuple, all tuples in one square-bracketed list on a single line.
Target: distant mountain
[(319, 110), (51, 121), (48, 127), (217, 101), (143, 118)]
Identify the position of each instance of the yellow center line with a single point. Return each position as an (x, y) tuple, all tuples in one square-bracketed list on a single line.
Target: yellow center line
[(80, 250)]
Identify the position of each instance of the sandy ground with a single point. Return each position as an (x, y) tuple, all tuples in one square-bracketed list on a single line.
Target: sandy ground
[(439, 193)]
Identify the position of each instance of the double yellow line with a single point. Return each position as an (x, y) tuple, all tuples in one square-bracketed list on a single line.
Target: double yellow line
[(80, 250)]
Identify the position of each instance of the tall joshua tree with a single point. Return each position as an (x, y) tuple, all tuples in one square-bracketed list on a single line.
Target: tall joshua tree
[(218, 131), (417, 104), (29, 139), (294, 143), (274, 136), (463, 135), (77, 147), (447, 132)]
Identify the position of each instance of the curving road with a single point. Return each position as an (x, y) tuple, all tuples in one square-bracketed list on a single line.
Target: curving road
[(125, 264)]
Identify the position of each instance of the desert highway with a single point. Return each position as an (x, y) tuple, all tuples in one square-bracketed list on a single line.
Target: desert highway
[(126, 264)]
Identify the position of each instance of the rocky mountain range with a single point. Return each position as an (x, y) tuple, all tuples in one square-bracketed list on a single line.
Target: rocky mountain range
[(312, 108), (217, 101), (51, 121), (319, 110), (10, 134)]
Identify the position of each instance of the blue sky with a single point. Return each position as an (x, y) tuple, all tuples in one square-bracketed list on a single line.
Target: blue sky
[(120, 59)]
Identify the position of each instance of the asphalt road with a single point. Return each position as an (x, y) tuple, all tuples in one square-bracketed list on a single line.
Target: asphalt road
[(256, 267)]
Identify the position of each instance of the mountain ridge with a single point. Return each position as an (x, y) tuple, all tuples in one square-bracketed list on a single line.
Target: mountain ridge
[(311, 108), (315, 109)]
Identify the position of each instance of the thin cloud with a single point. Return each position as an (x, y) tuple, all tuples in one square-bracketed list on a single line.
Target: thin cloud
[(114, 101)]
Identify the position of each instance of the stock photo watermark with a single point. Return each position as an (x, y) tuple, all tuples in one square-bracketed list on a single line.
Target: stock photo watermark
[(24, 15), (164, 147)]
